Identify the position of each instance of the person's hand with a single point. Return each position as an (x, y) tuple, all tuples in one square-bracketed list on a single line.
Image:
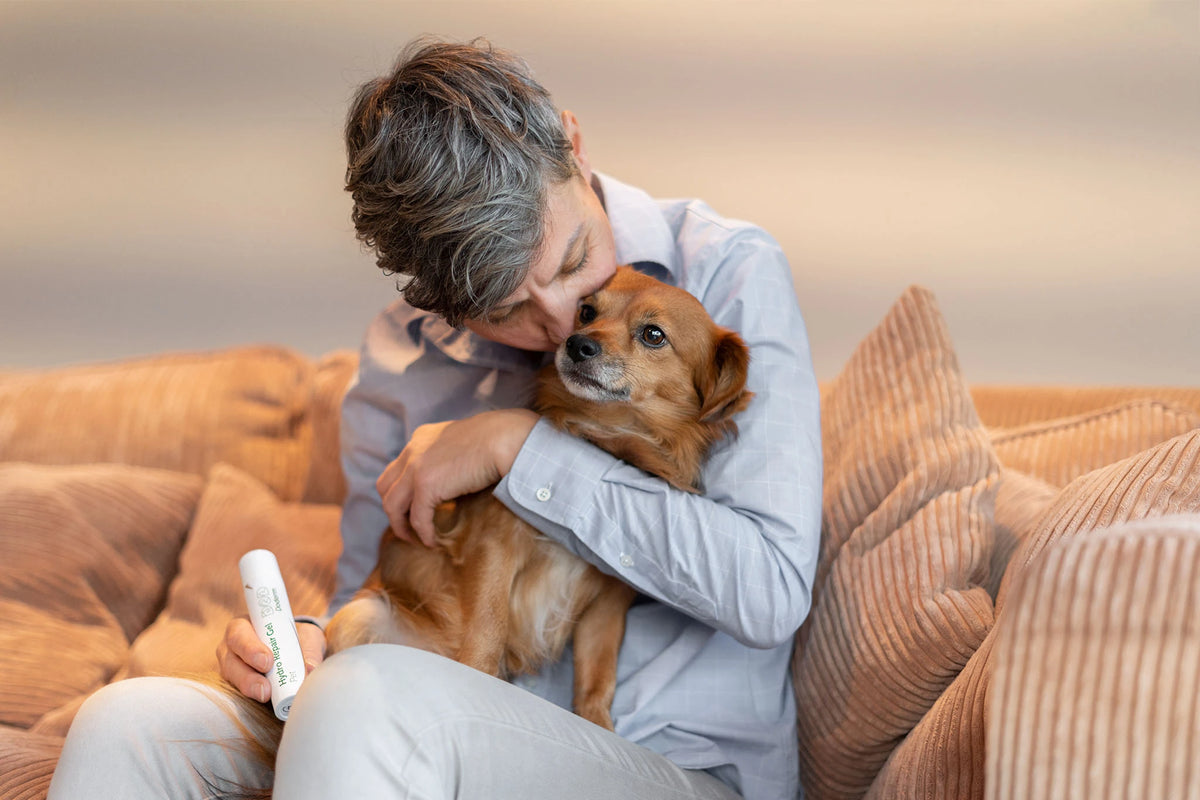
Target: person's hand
[(244, 660), (446, 460)]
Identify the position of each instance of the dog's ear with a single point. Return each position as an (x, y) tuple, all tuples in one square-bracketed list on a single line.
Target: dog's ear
[(445, 516), (723, 387)]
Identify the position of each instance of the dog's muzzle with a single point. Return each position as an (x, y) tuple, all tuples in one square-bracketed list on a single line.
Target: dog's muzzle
[(585, 373)]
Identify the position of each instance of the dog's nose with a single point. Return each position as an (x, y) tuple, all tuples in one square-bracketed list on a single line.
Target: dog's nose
[(581, 348)]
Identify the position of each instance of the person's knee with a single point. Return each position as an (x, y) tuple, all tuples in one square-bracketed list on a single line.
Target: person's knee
[(148, 736), (368, 680), (144, 708), (373, 717), (379, 687)]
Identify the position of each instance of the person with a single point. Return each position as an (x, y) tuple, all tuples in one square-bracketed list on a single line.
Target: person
[(469, 182)]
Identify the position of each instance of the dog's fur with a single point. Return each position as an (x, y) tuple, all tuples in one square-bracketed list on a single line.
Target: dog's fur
[(497, 595)]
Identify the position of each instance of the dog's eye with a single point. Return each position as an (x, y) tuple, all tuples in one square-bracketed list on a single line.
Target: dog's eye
[(587, 313), (653, 336)]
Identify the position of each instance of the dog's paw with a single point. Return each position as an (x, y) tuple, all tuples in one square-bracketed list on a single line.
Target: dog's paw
[(595, 712)]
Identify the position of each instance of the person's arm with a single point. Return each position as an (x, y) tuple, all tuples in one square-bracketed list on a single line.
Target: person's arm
[(741, 556), (370, 431)]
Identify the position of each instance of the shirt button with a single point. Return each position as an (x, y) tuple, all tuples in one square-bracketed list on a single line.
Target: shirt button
[(626, 560), (543, 494)]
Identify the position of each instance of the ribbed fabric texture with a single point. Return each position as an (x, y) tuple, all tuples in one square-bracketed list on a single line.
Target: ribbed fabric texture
[(1164, 479), (88, 552), (945, 756), (236, 513), (326, 483), (1097, 664), (27, 764), (182, 411), (1011, 406), (906, 541), (1059, 451), (1020, 502)]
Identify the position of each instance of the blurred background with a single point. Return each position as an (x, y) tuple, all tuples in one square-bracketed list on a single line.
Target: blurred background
[(171, 173)]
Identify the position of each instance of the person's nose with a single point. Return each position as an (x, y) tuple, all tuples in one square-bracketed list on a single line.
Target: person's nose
[(557, 315)]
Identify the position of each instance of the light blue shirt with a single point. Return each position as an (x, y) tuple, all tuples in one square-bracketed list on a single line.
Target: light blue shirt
[(703, 675)]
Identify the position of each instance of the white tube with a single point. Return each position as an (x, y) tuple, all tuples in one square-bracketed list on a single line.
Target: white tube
[(271, 614)]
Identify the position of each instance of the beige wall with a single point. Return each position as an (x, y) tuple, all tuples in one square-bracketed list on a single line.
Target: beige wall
[(170, 173)]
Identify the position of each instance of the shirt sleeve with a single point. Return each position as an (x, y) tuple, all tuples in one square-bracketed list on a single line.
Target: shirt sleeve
[(742, 555), (373, 429)]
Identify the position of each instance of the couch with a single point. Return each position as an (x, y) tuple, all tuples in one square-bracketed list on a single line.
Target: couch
[(1006, 603)]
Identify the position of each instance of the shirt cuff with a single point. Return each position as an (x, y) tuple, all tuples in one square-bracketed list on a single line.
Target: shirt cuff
[(552, 483)]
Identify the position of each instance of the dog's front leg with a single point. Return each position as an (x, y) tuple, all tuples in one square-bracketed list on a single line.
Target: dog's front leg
[(486, 574), (597, 640)]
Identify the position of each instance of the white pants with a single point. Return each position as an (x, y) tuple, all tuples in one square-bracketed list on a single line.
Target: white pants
[(378, 721)]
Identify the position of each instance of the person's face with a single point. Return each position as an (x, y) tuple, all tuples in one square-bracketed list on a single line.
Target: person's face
[(577, 258)]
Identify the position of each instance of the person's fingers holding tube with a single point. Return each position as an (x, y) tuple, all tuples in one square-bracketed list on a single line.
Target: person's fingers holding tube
[(243, 660)]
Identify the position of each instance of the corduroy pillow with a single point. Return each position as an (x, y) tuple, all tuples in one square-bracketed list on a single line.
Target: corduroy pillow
[(88, 553), (237, 513), (944, 756), (1012, 406), (326, 483), (906, 544), (1060, 450), (27, 762), (247, 406), (1097, 664), (1020, 502)]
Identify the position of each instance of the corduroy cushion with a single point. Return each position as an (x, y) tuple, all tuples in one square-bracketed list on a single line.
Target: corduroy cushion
[(1059, 451), (88, 553), (1164, 479), (906, 544), (237, 513), (1011, 406), (182, 411), (326, 483), (1097, 664), (27, 762), (1020, 502), (944, 757)]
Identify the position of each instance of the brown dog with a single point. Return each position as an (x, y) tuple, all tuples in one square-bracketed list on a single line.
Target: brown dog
[(647, 376)]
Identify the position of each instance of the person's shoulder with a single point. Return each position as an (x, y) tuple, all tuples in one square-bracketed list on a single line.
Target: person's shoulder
[(698, 227), (397, 323)]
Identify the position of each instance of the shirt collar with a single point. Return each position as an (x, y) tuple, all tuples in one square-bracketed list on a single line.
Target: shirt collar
[(640, 231)]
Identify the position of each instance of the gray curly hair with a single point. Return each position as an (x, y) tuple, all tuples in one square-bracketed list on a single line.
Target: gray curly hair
[(449, 161)]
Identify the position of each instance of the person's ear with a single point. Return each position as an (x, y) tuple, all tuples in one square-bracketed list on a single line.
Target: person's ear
[(571, 127)]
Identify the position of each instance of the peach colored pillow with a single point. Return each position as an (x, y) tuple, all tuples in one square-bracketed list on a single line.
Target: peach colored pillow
[(236, 513), (326, 483), (944, 756), (88, 553), (906, 544), (1097, 667), (1013, 406), (1020, 502), (247, 406), (27, 763), (1059, 451)]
